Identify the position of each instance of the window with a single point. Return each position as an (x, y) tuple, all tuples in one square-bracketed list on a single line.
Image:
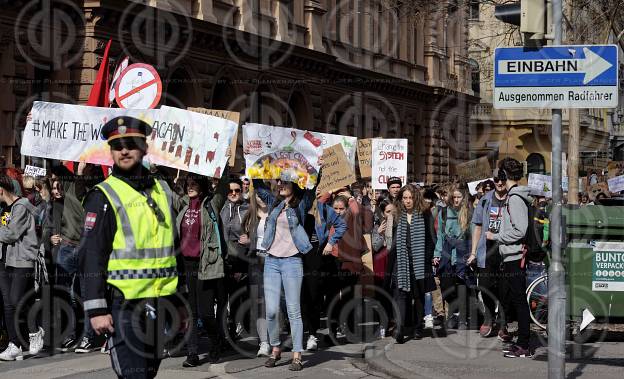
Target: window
[(473, 9), (475, 74), (536, 164)]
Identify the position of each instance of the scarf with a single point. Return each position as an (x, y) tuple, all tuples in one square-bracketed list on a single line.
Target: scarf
[(416, 232)]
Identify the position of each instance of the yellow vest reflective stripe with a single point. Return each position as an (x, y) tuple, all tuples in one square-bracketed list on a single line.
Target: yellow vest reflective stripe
[(142, 263)]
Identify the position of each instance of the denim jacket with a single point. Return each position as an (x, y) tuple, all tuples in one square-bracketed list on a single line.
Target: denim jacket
[(329, 218), (295, 217)]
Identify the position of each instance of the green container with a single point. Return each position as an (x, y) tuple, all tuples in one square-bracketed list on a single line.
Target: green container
[(594, 257)]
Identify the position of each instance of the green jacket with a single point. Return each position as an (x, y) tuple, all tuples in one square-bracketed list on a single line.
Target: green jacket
[(213, 247)]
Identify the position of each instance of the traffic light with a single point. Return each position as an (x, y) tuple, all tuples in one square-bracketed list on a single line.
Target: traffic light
[(531, 16)]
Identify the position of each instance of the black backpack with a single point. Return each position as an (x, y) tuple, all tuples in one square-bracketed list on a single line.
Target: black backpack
[(534, 236)]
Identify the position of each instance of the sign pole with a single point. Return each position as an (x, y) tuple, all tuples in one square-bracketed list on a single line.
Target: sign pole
[(556, 280)]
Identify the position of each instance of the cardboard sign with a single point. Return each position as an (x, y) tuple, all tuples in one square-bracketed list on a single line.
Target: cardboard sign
[(138, 87), (616, 184), (337, 172), (180, 139), (474, 169), (365, 152), (597, 188), (34, 171), (389, 160), (232, 116), (615, 168)]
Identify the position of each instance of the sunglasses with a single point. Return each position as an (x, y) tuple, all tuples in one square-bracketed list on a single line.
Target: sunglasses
[(125, 143), (234, 191), (502, 180)]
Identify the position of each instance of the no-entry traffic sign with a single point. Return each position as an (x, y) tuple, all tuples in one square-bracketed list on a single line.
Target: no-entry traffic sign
[(556, 77), (138, 87)]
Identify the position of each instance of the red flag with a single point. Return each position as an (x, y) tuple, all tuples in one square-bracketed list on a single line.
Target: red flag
[(99, 92)]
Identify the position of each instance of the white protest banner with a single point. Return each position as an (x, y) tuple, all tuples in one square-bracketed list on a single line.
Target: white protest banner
[(616, 184), (540, 185), (34, 171), (472, 186), (290, 154), (389, 159), (180, 139)]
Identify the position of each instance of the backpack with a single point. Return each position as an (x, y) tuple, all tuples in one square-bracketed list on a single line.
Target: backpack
[(534, 236)]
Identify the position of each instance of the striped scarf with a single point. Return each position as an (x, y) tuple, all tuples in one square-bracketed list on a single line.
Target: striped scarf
[(417, 250)]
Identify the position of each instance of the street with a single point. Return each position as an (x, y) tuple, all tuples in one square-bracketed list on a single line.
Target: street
[(462, 354)]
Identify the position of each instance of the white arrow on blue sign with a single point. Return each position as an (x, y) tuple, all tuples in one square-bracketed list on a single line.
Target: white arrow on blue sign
[(556, 77)]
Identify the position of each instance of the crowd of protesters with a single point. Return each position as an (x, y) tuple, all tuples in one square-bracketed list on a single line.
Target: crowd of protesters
[(441, 258)]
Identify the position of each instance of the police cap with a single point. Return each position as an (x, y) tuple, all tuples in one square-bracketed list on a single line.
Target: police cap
[(125, 127)]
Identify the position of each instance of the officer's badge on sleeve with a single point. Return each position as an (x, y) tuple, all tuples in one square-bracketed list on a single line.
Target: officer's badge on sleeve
[(90, 220)]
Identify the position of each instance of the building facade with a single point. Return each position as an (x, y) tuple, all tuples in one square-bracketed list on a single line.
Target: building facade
[(523, 134), (365, 68)]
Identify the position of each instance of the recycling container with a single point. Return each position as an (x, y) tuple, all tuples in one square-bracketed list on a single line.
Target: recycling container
[(594, 260)]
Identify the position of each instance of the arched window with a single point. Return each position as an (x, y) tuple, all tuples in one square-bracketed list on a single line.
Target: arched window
[(536, 164), (475, 75)]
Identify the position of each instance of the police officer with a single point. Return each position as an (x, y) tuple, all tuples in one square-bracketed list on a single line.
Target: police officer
[(127, 256)]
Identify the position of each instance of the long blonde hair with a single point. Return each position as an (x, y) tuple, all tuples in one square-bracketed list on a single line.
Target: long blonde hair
[(464, 212)]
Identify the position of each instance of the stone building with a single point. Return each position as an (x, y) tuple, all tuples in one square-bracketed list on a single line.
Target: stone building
[(366, 68)]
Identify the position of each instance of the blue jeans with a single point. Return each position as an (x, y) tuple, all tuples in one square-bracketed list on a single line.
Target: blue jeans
[(67, 265), (286, 272)]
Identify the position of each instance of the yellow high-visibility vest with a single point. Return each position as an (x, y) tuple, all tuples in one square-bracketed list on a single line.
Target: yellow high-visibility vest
[(142, 263)]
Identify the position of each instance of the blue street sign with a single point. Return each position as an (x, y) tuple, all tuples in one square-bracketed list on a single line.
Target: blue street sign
[(556, 77)]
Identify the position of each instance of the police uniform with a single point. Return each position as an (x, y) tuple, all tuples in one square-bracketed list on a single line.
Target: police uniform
[(127, 258)]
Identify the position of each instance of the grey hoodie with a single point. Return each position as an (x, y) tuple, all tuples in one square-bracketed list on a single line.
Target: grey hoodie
[(514, 224), (19, 236)]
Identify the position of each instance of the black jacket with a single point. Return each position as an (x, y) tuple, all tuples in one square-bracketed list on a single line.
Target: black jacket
[(430, 242)]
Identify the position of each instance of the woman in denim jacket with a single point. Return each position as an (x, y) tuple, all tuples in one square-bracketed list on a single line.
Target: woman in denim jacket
[(285, 241)]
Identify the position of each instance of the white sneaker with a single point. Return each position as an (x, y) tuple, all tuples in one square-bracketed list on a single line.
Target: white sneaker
[(265, 350), (428, 322), (36, 341), (312, 344), (12, 353)]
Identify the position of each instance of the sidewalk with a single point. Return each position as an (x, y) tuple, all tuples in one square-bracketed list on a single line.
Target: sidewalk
[(464, 354)]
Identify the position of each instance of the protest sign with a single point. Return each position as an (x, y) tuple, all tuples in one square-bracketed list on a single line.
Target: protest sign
[(337, 171), (615, 168), (232, 116), (565, 186), (180, 139), (389, 159), (273, 152), (474, 169), (472, 186), (540, 185), (597, 188), (364, 152), (616, 184), (289, 154), (34, 171)]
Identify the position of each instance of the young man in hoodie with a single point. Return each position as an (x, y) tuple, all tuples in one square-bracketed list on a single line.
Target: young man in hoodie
[(487, 217), (19, 249), (510, 238)]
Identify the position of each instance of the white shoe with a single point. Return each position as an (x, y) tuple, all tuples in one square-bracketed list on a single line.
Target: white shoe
[(428, 322), (312, 344), (265, 350), (36, 341), (12, 353)]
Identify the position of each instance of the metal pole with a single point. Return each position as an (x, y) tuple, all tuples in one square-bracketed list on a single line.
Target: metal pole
[(556, 281)]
